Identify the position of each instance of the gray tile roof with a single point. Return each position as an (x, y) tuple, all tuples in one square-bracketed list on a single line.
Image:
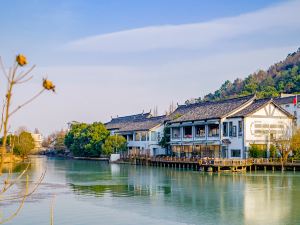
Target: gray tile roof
[(286, 100), (258, 104), (209, 110), (253, 107), (142, 125), (119, 122)]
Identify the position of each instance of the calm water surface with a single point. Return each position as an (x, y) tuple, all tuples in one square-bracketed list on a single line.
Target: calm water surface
[(89, 192)]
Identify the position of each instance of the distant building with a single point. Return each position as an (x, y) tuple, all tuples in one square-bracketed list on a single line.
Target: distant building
[(290, 103), (38, 140), (226, 129), (142, 132)]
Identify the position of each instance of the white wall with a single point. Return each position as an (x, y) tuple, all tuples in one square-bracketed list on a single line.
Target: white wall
[(236, 141), (151, 145), (265, 123)]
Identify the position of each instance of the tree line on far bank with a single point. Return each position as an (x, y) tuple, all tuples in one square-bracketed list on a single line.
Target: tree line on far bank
[(21, 144), (282, 77), (86, 140)]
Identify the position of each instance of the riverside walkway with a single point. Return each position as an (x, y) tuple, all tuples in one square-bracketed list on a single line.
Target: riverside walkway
[(216, 164)]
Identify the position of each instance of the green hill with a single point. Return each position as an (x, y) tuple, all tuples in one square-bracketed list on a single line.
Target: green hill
[(281, 77)]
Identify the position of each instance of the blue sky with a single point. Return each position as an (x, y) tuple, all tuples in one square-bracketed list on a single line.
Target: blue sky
[(114, 57)]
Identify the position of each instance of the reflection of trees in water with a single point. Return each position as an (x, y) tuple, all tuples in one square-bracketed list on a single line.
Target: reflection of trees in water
[(252, 197)]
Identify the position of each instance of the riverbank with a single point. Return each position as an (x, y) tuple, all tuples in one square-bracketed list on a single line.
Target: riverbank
[(69, 155)]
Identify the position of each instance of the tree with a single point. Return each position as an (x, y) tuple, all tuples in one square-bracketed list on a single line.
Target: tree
[(15, 76), (281, 77), (59, 141), (254, 151), (114, 144), (286, 144), (21, 129), (24, 144), (86, 140), (273, 151), (55, 141), (165, 140)]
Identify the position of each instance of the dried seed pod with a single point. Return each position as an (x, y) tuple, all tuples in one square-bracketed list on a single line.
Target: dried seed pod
[(48, 85), (21, 60)]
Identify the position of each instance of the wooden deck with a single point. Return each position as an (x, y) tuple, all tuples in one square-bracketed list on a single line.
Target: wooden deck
[(216, 164)]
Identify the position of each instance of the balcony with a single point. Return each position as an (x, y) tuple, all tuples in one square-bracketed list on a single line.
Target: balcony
[(213, 131)]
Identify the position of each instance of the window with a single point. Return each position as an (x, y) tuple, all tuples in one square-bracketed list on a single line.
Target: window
[(240, 128), (143, 136), (137, 137), (213, 130), (230, 129), (233, 131), (225, 129), (153, 136), (200, 131), (176, 133), (158, 136), (235, 153), (130, 137), (187, 132)]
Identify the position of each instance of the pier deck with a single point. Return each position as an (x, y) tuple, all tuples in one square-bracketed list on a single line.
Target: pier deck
[(217, 164)]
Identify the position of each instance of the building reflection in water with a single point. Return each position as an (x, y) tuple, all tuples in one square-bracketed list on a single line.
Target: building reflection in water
[(254, 198), (268, 199)]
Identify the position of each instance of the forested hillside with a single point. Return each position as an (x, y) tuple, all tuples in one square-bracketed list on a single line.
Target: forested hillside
[(283, 76)]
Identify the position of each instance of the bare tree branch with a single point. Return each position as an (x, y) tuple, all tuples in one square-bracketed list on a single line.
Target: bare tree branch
[(21, 76)]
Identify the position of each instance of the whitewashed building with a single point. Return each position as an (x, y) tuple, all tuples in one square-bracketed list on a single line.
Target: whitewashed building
[(290, 103), (38, 140), (226, 129), (142, 132)]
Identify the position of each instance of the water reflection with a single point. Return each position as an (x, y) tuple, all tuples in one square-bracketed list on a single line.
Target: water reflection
[(167, 196)]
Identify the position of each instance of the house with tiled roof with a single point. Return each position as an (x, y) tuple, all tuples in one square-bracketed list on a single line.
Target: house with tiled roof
[(142, 132), (118, 123), (291, 103), (227, 128)]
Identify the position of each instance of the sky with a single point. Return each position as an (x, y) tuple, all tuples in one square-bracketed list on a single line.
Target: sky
[(120, 57)]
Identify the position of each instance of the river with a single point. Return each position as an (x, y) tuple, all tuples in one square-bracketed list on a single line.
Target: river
[(93, 192)]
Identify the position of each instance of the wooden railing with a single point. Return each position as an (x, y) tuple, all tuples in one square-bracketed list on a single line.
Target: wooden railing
[(218, 161), (232, 162)]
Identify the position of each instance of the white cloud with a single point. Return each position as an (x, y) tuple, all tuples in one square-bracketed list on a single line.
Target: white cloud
[(94, 93), (278, 18)]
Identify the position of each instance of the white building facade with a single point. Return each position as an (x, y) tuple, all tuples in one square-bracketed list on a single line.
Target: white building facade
[(143, 133), (226, 129)]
